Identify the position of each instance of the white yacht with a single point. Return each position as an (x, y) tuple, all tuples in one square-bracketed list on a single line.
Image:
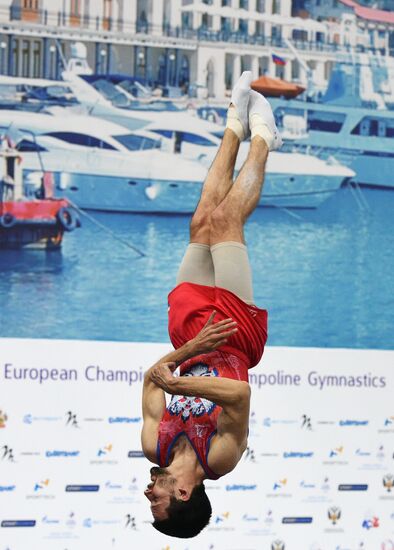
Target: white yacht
[(103, 166), (99, 165), (292, 179)]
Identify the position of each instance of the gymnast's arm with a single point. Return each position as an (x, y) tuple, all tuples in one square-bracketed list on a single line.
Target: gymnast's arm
[(153, 402), (208, 339)]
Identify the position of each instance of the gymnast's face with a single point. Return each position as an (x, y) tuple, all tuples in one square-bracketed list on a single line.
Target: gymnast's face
[(159, 491)]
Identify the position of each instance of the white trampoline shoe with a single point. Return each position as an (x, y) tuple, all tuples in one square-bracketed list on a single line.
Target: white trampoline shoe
[(262, 121)]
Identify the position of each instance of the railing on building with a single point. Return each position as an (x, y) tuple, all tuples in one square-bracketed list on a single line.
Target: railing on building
[(64, 19), (142, 26)]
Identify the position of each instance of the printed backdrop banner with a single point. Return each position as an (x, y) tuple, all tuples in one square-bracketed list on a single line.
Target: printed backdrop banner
[(318, 473)]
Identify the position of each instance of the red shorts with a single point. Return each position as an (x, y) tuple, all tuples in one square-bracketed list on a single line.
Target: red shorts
[(190, 306)]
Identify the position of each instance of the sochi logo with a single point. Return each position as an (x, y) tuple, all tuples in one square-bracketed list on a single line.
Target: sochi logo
[(334, 514), (388, 482), (3, 419)]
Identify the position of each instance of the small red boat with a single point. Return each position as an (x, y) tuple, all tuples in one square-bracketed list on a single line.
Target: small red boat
[(30, 217), (276, 87)]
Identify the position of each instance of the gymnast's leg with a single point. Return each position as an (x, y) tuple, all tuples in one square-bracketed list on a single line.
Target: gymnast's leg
[(228, 248), (197, 266)]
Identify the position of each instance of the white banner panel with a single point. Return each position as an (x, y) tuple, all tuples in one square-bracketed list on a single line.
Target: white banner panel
[(318, 473)]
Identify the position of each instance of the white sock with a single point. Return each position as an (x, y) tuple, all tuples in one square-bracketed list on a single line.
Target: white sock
[(237, 115), (234, 123), (259, 128)]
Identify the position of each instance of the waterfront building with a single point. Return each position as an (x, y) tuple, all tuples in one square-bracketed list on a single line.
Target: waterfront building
[(204, 44), (374, 21)]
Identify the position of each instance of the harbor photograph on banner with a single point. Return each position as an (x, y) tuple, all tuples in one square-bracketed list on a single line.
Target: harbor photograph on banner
[(196, 274)]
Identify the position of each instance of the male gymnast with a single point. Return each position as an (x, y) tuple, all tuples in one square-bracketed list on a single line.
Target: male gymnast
[(217, 332)]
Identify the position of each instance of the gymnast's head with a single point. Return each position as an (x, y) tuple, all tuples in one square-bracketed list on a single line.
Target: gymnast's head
[(179, 508)]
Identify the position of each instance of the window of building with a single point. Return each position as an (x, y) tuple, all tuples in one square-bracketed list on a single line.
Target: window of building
[(259, 28), (225, 24), (30, 4), (299, 34), (27, 10), (244, 4), (75, 8), (263, 65), (25, 58), (243, 26), (260, 6), (312, 64), (15, 58), (279, 71), (86, 12), (205, 21), (276, 34), (226, 2), (275, 6), (142, 21), (187, 20), (120, 19), (166, 13), (295, 69), (81, 139), (36, 59), (107, 8), (107, 15)]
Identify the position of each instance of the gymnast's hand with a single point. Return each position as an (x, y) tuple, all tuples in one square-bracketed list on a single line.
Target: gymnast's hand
[(162, 376), (213, 335)]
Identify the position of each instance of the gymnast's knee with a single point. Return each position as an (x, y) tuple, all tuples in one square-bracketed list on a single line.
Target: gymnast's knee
[(200, 226), (224, 225)]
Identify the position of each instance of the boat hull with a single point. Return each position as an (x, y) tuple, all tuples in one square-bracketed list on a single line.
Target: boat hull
[(31, 236), (119, 194), (37, 224), (372, 169)]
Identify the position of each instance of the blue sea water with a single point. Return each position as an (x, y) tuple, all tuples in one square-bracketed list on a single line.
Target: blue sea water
[(326, 277)]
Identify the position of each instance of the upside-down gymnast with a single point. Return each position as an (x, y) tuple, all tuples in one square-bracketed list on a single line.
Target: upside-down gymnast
[(217, 332)]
